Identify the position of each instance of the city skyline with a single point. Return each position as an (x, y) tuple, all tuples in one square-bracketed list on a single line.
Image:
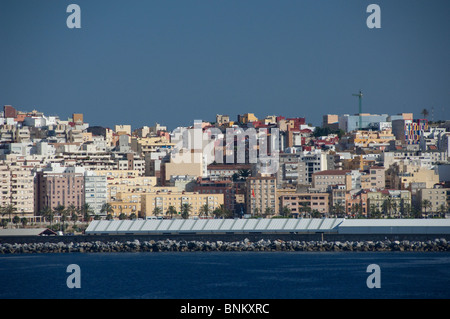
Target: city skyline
[(144, 62)]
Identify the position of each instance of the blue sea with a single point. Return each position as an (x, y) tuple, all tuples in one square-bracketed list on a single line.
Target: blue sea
[(226, 275)]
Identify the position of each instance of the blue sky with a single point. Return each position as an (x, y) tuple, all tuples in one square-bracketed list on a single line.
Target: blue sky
[(141, 62)]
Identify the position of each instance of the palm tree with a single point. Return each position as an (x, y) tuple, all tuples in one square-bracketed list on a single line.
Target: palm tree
[(204, 210), (171, 211), (268, 211), (339, 209), (74, 218), (86, 211), (132, 216), (107, 209), (157, 210), (63, 213), (122, 216), (425, 205), (286, 211), (387, 205), (394, 207), (8, 210), (24, 221), (48, 214), (306, 208), (442, 210), (186, 208)]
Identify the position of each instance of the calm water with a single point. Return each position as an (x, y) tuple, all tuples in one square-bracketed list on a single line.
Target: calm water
[(211, 275)]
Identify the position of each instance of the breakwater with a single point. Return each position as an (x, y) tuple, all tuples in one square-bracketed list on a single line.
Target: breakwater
[(168, 245)]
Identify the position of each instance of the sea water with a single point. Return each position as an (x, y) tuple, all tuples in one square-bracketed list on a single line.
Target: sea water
[(226, 275)]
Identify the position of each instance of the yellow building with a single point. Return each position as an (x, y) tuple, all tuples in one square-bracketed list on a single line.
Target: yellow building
[(400, 176), (247, 118), (126, 181), (147, 145), (389, 202), (371, 138), (163, 200)]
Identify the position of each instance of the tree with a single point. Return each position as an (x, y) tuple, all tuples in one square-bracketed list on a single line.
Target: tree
[(186, 208), (339, 210), (74, 218), (204, 210), (387, 205), (315, 213), (122, 216), (442, 209), (109, 217), (63, 214), (426, 204), (86, 211), (107, 209), (306, 208), (16, 219), (286, 211), (171, 211), (157, 210), (48, 214), (8, 210), (132, 216), (24, 221), (222, 212), (268, 211)]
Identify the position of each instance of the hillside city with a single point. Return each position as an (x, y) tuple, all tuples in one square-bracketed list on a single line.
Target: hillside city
[(63, 173)]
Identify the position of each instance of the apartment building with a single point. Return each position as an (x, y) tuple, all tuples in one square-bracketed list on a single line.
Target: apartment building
[(262, 196), (303, 204), (437, 197), (291, 170), (389, 202), (374, 177), (58, 185), (96, 191), (163, 200), (321, 181), (17, 187), (225, 187), (125, 181)]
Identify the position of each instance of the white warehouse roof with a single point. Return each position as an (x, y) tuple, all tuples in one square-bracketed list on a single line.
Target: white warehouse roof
[(276, 225), (155, 226)]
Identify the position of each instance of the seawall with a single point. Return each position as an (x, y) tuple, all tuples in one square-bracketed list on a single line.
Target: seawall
[(306, 242)]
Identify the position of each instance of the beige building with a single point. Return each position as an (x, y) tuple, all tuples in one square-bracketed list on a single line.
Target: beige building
[(126, 181), (321, 181), (400, 176), (146, 145), (124, 129), (163, 200), (262, 196), (188, 163), (374, 177), (389, 202), (437, 197), (304, 204), (17, 188)]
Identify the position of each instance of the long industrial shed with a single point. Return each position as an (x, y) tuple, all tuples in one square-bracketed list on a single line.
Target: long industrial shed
[(275, 225)]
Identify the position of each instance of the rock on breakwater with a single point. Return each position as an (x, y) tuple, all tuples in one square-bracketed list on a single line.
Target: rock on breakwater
[(241, 245)]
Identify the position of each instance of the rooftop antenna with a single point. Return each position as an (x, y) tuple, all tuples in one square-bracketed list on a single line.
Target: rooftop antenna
[(359, 95)]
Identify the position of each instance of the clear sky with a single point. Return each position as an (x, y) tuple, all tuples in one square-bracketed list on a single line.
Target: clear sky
[(141, 62)]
